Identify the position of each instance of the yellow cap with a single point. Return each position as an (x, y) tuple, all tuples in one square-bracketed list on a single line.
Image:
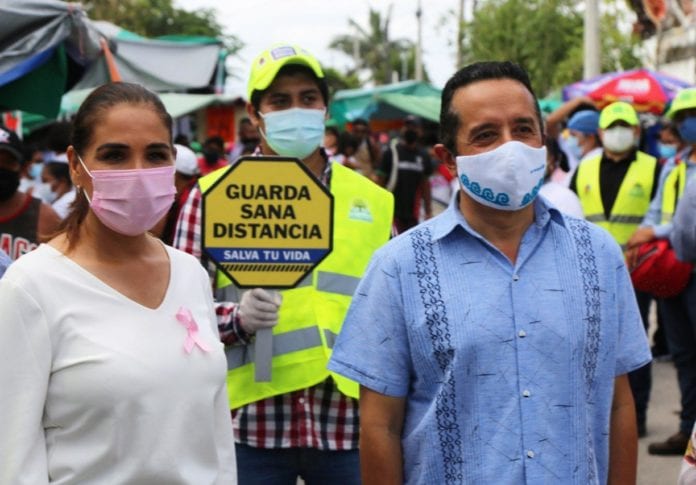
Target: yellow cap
[(618, 111), (685, 99), (266, 66)]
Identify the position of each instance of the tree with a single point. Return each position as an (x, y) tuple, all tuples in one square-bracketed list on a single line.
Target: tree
[(156, 18), (338, 81), (546, 38), (375, 51)]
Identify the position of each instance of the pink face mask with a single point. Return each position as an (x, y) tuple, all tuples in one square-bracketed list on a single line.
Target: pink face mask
[(131, 202)]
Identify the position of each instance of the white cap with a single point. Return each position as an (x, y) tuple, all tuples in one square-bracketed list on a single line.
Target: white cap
[(186, 161)]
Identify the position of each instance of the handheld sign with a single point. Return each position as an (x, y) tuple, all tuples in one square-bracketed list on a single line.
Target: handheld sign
[(267, 222)]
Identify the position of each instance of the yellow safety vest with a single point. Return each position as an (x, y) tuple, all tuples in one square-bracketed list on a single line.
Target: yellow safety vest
[(632, 201), (672, 192), (312, 313)]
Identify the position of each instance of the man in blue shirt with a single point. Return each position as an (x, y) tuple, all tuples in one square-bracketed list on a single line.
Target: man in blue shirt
[(492, 342)]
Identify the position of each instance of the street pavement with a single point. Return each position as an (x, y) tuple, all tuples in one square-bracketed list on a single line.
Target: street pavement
[(663, 421)]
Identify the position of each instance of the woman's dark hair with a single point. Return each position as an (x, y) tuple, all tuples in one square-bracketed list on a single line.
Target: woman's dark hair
[(291, 70), (59, 171), (347, 140), (87, 118), (480, 71)]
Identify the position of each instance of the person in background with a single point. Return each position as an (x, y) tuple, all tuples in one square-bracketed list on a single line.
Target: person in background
[(405, 170), (304, 423), (558, 194), (583, 141), (56, 187), (24, 219), (492, 342), (369, 152), (247, 140), (669, 143), (31, 169), (213, 155), (331, 137), (117, 373), (345, 153), (615, 190), (185, 177), (556, 127), (679, 312)]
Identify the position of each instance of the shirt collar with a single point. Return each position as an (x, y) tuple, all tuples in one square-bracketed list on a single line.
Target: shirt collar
[(451, 218)]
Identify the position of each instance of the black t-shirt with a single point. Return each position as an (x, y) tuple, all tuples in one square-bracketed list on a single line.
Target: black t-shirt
[(611, 175), (414, 166)]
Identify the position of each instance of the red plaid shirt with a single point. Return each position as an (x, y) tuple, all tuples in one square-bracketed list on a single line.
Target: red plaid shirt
[(317, 417)]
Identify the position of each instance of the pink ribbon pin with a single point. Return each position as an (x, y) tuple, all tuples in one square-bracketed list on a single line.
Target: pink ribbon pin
[(186, 319)]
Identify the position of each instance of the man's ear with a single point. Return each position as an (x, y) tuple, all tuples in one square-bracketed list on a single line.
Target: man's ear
[(444, 155), (253, 115)]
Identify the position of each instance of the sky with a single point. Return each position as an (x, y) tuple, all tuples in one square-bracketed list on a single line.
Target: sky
[(314, 23)]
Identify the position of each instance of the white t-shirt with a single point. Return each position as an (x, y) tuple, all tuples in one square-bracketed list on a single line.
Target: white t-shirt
[(562, 198), (98, 389)]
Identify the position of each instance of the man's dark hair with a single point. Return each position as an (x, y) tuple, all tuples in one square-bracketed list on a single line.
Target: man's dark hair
[(291, 70), (360, 121), (480, 71)]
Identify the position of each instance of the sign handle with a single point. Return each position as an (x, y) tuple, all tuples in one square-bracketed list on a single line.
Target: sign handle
[(263, 355)]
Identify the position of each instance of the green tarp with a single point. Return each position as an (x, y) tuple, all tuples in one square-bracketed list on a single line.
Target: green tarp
[(177, 104), (391, 101)]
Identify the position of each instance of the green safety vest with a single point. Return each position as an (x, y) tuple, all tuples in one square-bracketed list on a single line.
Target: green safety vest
[(632, 201), (312, 313), (673, 190)]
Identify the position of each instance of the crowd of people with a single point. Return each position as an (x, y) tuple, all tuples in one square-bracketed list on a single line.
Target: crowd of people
[(462, 329)]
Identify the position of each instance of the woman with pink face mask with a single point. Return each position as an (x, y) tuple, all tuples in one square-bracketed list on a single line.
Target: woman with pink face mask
[(113, 372)]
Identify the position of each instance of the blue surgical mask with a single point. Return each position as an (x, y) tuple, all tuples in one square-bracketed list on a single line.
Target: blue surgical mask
[(35, 171), (294, 132), (687, 129), (572, 145), (666, 150)]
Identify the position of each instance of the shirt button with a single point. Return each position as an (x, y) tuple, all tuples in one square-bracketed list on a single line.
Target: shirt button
[(530, 454), (522, 334), (526, 393), (301, 400), (515, 277)]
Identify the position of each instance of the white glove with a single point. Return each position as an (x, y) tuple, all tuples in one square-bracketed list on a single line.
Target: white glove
[(259, 309)]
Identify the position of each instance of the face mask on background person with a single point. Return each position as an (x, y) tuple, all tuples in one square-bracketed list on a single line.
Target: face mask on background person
[(44, 192), (507, 178), (619, 139), (132, 201), (687, 129), (666, 150), (572, 144), (9, 183), (294, 132), (35, 171)]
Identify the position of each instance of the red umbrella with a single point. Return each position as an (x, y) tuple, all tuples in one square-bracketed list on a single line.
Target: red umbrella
[(645, 90)]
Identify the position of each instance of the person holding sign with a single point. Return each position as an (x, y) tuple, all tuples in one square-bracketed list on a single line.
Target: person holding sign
[(113, 368), (305, 421)]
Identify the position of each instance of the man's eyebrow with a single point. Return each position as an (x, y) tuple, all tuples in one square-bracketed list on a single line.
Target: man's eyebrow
[(525, 119), (479, 128), (111, 146)]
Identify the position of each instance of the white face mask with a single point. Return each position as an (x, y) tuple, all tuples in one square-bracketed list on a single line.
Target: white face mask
[(44, 192), (619, 139), (507, 178)]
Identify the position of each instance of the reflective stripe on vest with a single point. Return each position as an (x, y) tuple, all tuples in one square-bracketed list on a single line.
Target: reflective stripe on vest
[(632, 199), (337, 283), (283, 343)]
